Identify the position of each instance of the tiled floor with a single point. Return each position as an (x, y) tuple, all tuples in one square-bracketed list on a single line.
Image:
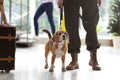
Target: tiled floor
[(29, 65)]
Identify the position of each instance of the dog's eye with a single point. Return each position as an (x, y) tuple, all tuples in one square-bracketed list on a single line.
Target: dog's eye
[(59, 33)]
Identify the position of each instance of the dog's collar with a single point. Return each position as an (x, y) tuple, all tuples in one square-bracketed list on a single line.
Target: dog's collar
[(58, 43)]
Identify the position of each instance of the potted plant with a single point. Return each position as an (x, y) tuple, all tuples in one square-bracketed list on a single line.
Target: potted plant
[(114, 22)]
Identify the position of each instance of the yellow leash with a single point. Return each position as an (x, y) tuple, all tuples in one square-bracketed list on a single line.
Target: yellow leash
[(62, 21)]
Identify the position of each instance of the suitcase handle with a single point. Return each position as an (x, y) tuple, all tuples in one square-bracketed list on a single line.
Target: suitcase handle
[(1, 13), (3, 16)]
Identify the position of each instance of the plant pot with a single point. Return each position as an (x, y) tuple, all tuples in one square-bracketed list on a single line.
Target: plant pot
[(116, 41)]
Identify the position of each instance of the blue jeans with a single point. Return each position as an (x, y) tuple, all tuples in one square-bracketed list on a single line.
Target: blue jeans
[(48, 8)]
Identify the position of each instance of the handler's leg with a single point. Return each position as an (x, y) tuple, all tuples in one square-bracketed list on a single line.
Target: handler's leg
[(91, 17), (72, 27)]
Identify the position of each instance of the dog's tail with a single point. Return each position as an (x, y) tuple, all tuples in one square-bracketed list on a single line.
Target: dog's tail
[(46, 31)]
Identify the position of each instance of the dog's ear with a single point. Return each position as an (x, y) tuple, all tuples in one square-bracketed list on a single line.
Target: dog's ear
[(55, 37), (66, 33)]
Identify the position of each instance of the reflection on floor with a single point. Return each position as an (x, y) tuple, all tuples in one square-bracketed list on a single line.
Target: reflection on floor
[(29, 65)]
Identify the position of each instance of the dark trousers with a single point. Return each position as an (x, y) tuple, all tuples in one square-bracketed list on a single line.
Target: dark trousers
[(48, 8), (90, 19)]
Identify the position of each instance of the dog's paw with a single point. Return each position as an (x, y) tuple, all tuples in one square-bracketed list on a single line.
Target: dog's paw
[(51, 70), (46, 67), (63, 69)]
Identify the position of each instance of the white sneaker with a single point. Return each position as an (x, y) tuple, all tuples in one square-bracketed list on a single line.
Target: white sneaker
[(36, 39)]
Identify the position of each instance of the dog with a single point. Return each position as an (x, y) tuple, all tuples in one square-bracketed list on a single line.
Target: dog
[(57, 46)]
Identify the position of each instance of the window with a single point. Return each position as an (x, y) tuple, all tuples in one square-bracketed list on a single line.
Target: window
[(19, 13), (104, 17), (43, 22)]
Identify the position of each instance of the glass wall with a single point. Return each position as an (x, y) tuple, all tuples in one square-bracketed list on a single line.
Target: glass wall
[(104, 10), (20, 15)]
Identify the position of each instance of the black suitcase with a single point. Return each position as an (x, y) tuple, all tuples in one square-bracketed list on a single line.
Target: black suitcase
[(7, 48)]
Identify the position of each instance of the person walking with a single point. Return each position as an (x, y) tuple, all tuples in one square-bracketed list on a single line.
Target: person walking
[(45, 6), (90, 17)]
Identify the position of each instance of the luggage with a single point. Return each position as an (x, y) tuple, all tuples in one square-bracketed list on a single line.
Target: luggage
[(7, 42), (7, 48)]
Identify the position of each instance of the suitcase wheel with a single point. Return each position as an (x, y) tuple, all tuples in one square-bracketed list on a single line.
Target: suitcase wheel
[(2, 71), (7, 71)]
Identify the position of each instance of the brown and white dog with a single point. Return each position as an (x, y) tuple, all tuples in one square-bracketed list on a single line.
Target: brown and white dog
[(57, 46)]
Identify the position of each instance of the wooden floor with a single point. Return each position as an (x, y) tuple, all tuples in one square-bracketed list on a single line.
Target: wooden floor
[(29, 65)]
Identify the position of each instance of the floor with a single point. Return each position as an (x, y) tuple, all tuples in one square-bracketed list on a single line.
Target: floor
[(29, 65)]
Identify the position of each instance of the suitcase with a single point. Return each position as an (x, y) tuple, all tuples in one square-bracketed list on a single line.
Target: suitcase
[(7, 48)]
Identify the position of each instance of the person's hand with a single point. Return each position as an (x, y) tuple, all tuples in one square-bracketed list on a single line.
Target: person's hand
[(99, 2), (60, 3)]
